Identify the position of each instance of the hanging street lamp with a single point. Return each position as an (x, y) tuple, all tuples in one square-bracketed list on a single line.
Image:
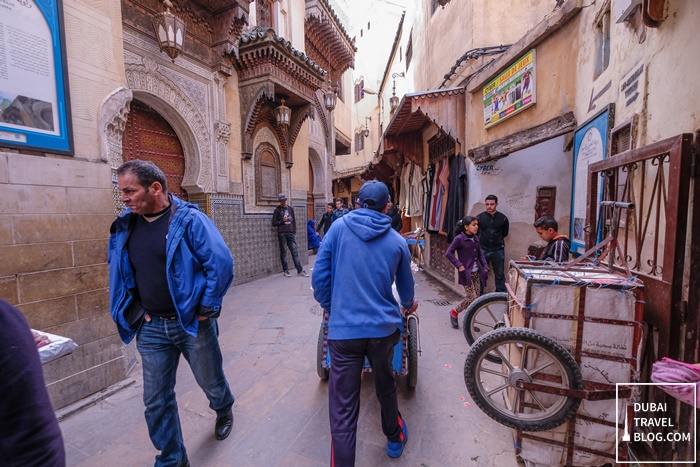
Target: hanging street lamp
[(283, 115), (170, 31), (394, 99)]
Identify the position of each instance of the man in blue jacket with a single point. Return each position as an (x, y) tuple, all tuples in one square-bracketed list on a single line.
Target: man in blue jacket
[(359, 260), (169, 269)]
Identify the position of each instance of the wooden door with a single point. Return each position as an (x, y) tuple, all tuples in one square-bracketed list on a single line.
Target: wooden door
[(652, 238), (545, 201), (149, 137), (310, 195)]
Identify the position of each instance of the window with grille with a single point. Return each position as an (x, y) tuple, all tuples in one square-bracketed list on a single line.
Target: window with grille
[(621, 137), (359, 91), (263, 13), (359, 141)]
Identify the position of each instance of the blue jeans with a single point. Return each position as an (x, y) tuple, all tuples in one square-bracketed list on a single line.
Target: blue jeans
[(497, 259), (288, 240), (160, 344)]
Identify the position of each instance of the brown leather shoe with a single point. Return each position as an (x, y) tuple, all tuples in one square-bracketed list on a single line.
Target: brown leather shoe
[(224, 424)]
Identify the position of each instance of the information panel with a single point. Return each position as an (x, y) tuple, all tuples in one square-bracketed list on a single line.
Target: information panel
[(590, 145), (34, 102)]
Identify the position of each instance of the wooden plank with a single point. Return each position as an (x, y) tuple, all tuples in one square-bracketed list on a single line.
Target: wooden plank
[(524, 139)]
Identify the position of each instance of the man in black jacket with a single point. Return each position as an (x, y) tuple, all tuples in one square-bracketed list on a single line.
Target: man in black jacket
[(326, 219), (283, 219), (493, 228)]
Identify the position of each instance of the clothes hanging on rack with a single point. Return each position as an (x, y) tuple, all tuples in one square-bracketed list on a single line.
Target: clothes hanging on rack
[(445, 187), (437, 197), (456, 193), (427, 183)]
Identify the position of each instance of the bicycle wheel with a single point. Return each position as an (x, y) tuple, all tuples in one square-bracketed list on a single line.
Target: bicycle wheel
[(483, 315), (322, 371), (526, 356), (412, 378)]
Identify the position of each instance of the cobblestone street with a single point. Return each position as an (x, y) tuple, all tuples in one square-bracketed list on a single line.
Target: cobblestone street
[(269, 330)]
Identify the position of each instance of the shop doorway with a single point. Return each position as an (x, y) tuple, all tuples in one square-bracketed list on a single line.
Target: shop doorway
[(148, 136)]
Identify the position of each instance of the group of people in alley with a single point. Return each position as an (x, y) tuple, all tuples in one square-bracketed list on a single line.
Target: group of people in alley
[(169, 270)]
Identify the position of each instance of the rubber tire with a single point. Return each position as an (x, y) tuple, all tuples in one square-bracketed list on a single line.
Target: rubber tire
[(323, 372), (559, 353), (412, 378), (473, 310)]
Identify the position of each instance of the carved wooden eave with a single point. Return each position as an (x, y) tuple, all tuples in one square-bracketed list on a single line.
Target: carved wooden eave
[(228, 26), (326, 39), (213, 26), (443, 107), (268, 66)]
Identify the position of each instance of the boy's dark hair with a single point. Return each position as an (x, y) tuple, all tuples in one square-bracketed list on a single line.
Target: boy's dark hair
[(146, 172), (462, 223), (330, 204), (493, 197), (546, 223)]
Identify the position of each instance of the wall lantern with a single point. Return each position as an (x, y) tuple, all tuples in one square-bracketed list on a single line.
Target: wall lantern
[(330, 97), (394, 100), (366, 132), (283, 115), (170, 31)]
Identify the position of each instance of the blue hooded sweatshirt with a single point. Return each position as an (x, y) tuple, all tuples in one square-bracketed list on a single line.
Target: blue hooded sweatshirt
[(360, 258)]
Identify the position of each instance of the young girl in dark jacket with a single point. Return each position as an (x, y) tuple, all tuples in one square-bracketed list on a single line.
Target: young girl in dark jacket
[(470, 263)]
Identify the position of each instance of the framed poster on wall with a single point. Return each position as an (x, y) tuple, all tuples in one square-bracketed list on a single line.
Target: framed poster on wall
[(590, 145), (34, 99)]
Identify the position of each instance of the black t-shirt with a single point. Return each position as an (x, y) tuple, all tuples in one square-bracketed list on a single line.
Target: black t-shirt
[(148, 261)]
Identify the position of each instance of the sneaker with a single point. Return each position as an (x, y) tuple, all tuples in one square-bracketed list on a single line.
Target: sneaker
[(303, 273), (395, 449), (287, 274), (453, 319)]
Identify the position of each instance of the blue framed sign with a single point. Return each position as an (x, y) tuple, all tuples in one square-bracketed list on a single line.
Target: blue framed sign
[(590, 145), (34, 98)]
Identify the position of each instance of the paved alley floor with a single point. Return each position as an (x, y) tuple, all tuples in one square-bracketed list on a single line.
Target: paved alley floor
[(269, 329)]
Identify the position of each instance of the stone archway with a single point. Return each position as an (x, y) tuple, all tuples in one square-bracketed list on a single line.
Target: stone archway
[(153, 89)]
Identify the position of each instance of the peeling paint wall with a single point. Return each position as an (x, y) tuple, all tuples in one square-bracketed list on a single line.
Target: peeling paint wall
[(514, 180)]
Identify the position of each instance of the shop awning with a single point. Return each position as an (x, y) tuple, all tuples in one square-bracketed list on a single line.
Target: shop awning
[(443, 107)]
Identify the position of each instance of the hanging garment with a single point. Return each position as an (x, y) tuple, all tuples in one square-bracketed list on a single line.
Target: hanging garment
[(403, 198), (445, 182), (437, 197), (414, 204), (456, 195), (427, 183)]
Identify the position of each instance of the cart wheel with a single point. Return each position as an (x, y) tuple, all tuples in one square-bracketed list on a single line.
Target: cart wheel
[(322, 371), (412, 378), (528, 356), (483, 315)]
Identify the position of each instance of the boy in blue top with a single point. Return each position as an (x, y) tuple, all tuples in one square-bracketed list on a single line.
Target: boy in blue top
[(359, 260)]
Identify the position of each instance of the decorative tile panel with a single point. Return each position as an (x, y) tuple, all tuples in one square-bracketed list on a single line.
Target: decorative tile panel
[(252, 239)]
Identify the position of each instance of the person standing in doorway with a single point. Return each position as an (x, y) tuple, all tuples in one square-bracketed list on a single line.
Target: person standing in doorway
[(470, 263), (356, 266), (169, 269), (493, 229), (326, 219), (283, 218), (340, 210)]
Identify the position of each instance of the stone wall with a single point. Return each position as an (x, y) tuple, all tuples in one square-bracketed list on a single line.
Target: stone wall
[(252, 239), (54, 224)]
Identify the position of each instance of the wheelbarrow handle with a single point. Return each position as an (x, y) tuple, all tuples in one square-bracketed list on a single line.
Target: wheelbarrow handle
[(617, 204)]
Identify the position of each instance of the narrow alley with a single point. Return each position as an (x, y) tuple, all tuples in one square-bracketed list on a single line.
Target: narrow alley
[(269, 331)]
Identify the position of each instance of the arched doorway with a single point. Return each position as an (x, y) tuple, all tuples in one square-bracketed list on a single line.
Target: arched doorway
[(148, 136), (310, 194)]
